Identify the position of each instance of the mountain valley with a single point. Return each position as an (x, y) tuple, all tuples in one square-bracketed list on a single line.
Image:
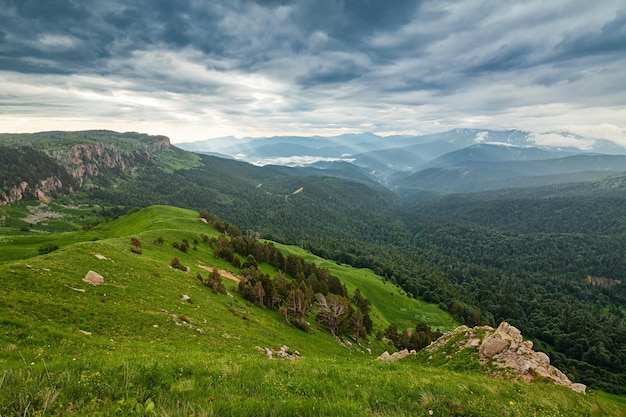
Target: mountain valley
[(465, 227)]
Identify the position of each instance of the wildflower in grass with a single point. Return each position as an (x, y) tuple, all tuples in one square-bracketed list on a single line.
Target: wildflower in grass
[(511, 403)]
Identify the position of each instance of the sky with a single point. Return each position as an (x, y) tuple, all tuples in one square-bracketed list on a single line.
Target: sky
[(193, 69)]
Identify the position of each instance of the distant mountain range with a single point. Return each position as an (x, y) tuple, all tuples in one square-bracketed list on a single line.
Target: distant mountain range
[(460, 160)]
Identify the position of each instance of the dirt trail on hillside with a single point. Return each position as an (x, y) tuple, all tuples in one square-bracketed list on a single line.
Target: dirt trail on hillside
[(223, 272)]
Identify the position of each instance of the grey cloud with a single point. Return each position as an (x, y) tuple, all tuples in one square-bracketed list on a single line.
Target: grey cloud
[(317, 64), (610, 39), (349, 19), (504, 58), (26, 66), (334, 72), (110, 30), (52, 12), (50, 36)]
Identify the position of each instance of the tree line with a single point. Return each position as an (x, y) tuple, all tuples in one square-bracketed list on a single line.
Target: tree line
[(297, 288)]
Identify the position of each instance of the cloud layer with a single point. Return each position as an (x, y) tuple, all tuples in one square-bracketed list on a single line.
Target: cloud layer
[(194, 69)]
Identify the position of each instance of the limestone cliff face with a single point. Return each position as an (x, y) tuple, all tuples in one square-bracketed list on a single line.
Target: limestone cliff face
[(27, 173), (65, 170), (14, 193), (48, 188), (89, 160), (44, 189)]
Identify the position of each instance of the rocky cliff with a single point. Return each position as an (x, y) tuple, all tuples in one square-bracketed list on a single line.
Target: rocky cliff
[(44, 170), (87, 161), (30, 174)]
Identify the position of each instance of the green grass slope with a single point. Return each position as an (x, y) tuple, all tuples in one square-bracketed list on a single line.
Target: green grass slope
[(134, 347), (390, 303)]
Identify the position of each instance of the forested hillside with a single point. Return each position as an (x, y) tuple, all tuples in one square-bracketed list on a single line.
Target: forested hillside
[(167, 311), (535, 272), (524, 256)]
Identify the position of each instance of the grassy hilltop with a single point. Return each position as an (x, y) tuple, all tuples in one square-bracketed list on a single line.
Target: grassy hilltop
[(133, 346)]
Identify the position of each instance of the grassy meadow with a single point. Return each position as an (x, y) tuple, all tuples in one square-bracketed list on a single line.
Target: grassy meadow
[(135, 347)]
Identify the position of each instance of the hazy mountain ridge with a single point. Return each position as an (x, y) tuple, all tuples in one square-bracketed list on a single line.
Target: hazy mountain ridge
[(467, 175), (490, 158)]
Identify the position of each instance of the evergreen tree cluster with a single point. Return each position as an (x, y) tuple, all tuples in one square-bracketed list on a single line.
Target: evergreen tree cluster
[(412, 339), (298, 287)]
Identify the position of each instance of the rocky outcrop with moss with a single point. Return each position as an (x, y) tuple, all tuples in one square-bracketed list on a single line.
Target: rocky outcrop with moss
[(501, 350)]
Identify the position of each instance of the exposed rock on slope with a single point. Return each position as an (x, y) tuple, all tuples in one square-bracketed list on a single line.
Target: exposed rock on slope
[(27, 173), (88, 160), (504, 348), (63, 166), (94, 278), (396, 356)]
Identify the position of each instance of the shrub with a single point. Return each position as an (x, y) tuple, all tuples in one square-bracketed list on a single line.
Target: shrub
[(47, 248), (135, 245), (176, 263), (213, 281)]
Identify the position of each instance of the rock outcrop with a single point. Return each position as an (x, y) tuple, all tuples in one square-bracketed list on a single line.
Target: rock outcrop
[(88, 160), (602, 281), (94, 278), (396, 356), (75, 159), (20, 181), (504, 348), (284, 352)]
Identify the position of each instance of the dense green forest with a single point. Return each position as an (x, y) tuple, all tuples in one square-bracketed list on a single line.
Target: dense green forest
[(525, 260), (523, 256)]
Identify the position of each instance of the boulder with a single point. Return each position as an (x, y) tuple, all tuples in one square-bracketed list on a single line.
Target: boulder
[(395, 356), (94, 278), (504, 337), (493, 345), (283, 353)]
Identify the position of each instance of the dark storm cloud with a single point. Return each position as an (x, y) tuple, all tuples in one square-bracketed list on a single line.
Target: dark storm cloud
[(167, 23), (336, 72), (350, 20), (65, 32), (50, 36), (504, 58), (610, 39), (318, 65), (53, 12)]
